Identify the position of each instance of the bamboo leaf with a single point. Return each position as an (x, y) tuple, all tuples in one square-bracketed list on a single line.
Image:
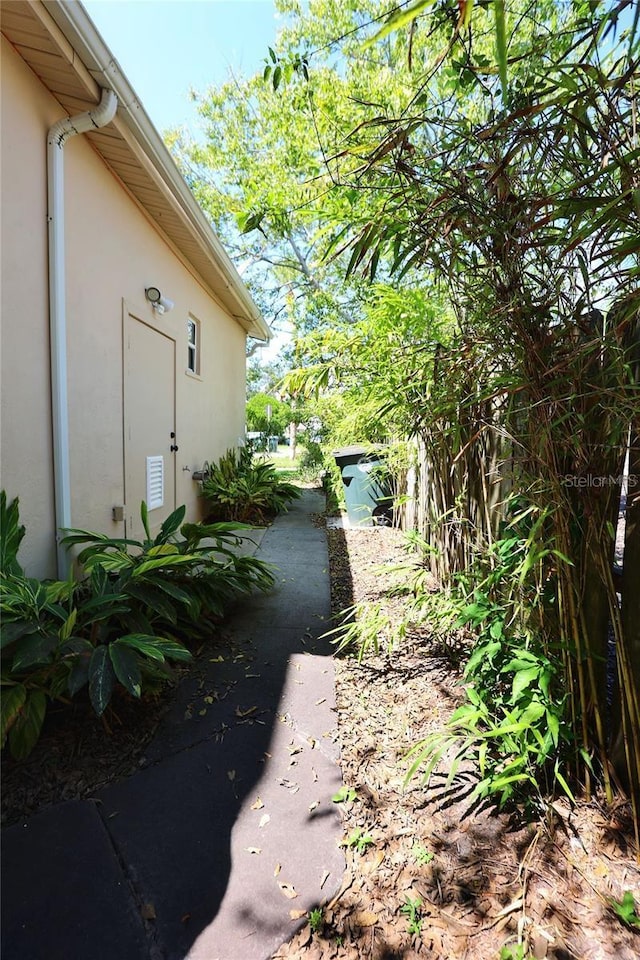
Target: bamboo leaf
[(563, 783), (398, 19)]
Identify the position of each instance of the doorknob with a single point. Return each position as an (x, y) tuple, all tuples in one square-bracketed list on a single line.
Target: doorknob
[(173, 447)]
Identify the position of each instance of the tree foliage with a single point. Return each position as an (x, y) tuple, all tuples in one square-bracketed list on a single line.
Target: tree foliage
[(268, 415)]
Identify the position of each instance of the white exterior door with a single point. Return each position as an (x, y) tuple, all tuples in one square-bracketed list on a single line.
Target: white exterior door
[(150, 442)]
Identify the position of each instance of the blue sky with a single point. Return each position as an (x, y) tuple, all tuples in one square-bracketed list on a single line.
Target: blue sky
[(167, 47)]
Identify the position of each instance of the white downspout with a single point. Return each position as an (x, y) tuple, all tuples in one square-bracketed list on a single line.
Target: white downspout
[(58, 135)]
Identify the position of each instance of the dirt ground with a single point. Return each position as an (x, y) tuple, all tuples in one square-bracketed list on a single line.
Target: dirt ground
[(429, 878)]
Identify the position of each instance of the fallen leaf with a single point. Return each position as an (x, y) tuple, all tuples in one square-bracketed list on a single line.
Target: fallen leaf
[(297, 914), (312, 742), (515, 905), (245, 713), (257, 804), (277, 869), (253, 849), (208, 700), (365, 918), (264, 820), (202, 713), (148, 911), (289, 784), (312, 806), (294, 748), (231, 774), (288, 890)]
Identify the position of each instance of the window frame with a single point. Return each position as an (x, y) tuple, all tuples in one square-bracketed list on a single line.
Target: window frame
[(193, 347)]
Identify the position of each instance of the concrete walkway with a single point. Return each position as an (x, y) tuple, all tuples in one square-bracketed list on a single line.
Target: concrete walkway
[(229, 825)]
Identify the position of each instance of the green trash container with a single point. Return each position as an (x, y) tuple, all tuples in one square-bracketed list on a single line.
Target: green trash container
[(367, 488)]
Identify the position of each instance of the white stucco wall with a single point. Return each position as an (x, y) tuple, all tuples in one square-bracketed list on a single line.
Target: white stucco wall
[(113, 252)]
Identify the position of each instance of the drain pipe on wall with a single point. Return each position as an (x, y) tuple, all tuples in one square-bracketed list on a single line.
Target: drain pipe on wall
[(58, 135)]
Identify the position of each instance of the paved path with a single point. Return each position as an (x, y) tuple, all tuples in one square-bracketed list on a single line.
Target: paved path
[(229, 826)]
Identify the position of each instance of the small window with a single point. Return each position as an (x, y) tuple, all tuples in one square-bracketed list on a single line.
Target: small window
[(193, 346)]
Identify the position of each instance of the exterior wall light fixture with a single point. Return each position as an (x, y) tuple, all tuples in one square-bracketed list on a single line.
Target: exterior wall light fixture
[(158, 302)]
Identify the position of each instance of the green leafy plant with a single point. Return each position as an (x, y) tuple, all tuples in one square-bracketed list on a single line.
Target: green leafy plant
[(365, 627), (240, 488), (344, 795), (513, 952), (412, 909), (180, 580), (625, 909), (119, 624), (359, 840), (316, 919), (421, 855), (11, 535), (512, 726), (36, 640)]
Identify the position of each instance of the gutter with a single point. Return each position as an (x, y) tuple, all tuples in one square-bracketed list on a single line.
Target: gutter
[(74, 22), (58, 135)]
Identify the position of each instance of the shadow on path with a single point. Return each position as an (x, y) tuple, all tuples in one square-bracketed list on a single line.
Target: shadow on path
[(230, 825)]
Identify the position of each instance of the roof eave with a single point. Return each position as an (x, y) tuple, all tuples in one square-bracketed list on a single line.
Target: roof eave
[(77, 27)]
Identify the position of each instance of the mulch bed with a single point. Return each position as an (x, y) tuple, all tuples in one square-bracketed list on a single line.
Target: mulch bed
[(479, 882)]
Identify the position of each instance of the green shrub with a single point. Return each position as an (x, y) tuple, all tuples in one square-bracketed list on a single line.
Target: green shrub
[(240, 488), (180, 581), (513, 725), (118, 624), (311, 461)]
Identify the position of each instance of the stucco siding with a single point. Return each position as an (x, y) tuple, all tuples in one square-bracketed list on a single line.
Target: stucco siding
[(113, 252), (25, 448)]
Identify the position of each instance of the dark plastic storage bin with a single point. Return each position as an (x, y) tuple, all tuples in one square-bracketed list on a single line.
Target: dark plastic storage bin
[(367, 487)]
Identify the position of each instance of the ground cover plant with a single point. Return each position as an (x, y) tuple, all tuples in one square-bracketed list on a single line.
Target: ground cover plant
[(133, 607), (241, 487)]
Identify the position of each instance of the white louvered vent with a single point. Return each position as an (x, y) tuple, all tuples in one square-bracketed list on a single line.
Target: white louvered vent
[(155, 482)]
